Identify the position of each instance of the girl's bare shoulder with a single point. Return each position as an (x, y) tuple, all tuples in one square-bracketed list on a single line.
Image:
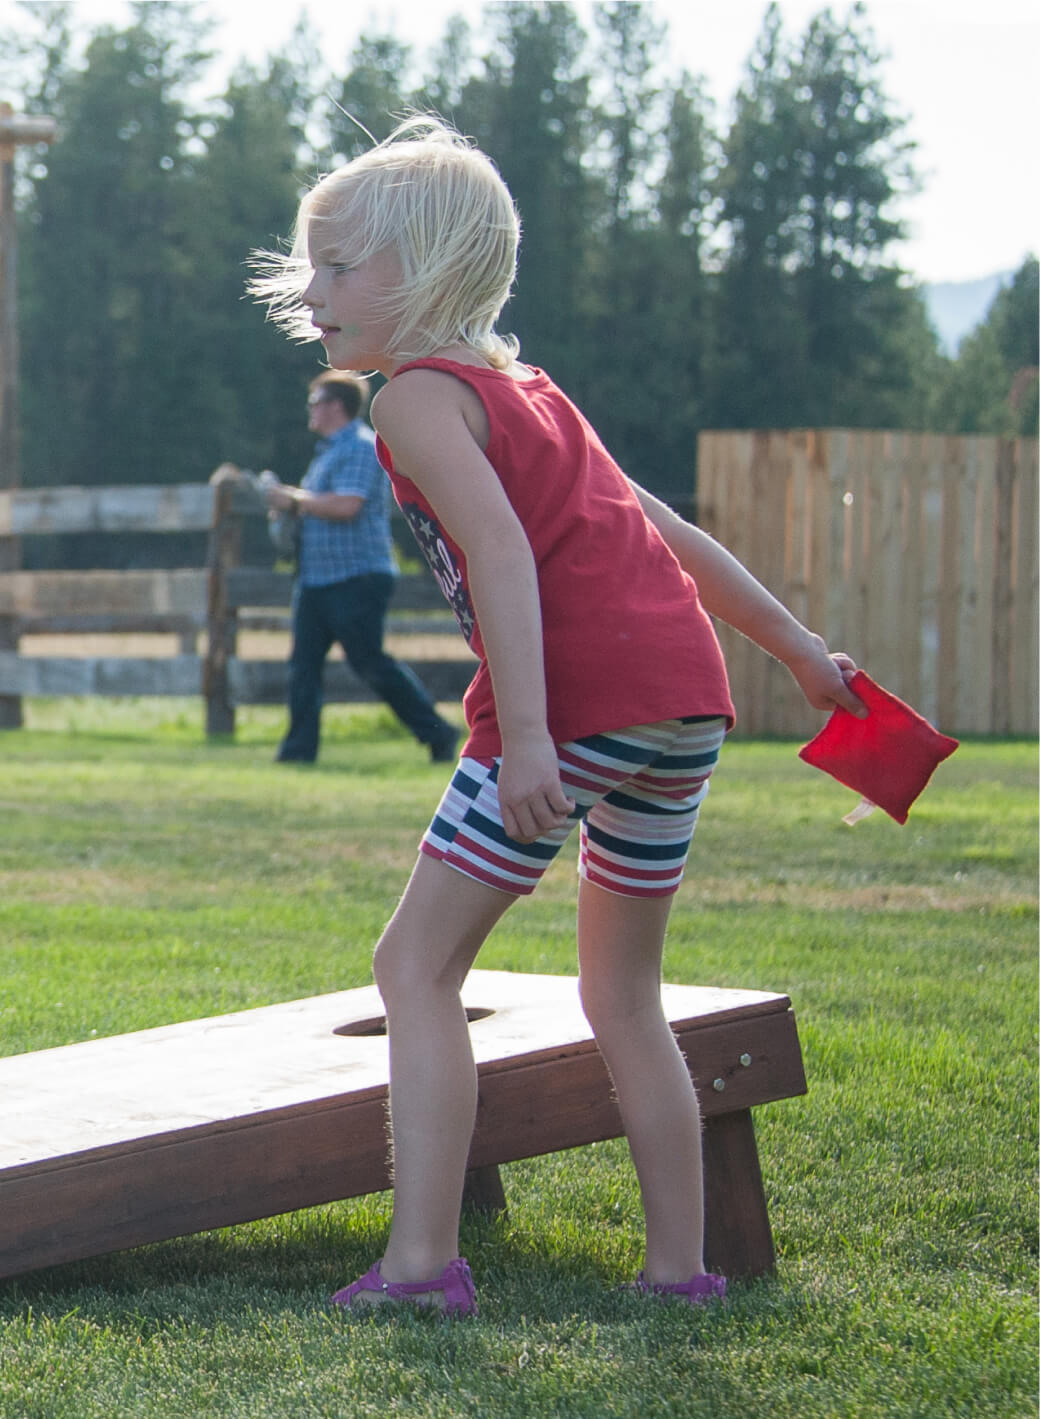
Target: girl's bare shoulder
[(424, 399)]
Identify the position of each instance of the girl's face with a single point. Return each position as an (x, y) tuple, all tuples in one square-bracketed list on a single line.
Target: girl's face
[(347, 307)]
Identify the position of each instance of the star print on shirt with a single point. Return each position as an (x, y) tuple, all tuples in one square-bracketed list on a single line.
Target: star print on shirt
[(446, 570)]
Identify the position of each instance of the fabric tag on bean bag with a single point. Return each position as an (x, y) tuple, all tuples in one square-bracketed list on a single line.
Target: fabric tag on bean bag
[(888, 757)]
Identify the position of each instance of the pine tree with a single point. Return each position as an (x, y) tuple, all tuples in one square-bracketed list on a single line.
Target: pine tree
[(527, 107), (249, 406), (106, 264), (991, 387), (812, 310), (372, 96)]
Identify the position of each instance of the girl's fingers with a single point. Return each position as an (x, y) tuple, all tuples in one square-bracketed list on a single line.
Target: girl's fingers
[(534, 818)]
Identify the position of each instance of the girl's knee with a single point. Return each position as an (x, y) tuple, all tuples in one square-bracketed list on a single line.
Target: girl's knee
[(407, 972), (433, 937), (604, 1005), (614, 1007), (394, 967)]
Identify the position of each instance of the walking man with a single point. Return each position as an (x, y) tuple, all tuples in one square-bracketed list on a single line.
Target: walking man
[(346, 572)]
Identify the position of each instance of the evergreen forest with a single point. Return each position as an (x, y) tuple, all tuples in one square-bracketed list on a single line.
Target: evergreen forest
[(677, 272)]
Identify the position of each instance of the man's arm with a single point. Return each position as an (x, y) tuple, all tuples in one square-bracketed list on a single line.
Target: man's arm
[(330, 507)]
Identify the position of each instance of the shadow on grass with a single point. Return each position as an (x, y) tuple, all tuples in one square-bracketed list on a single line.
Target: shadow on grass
[(292, 1265)]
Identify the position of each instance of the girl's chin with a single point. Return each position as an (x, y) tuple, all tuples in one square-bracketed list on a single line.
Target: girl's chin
[(343, 353)]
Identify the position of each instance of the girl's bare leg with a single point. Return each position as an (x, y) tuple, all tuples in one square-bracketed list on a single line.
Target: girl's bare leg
[(620, 945), (421, 961)]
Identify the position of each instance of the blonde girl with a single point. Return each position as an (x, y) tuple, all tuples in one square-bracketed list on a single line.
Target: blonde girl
[(600, 700)]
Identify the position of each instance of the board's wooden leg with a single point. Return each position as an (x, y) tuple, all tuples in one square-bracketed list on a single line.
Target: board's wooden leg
[(738, 1240), (483, 1191)]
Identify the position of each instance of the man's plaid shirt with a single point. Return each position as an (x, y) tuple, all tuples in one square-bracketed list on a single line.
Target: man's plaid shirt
[(335, 551)]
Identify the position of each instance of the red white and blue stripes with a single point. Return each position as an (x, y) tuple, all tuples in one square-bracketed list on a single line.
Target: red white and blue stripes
[(638, 793)]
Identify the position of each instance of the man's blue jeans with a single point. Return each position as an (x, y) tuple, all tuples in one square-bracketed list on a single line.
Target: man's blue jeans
[(351, 613)]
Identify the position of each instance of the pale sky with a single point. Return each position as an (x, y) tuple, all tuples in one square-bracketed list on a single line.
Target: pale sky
[(965, 73)]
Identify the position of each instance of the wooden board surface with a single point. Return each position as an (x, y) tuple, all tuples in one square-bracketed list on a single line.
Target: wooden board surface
[(252, 682), (181, 591), (102, 1093), (180, 507), (117, 1142), (110, 675), (263, 682)]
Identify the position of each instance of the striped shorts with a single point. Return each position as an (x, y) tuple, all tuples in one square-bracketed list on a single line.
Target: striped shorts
[(637, 795)]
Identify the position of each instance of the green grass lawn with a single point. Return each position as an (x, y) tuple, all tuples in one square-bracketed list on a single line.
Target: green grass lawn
[(147, 876)]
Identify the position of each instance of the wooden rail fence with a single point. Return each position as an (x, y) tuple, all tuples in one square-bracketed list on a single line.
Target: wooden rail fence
[(217, 600), (916, 553)]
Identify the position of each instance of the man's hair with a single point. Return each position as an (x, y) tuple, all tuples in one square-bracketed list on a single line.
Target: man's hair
[(429, 195), (349, 390)]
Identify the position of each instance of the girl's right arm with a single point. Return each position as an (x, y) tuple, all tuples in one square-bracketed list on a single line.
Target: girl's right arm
[(427, 419), (729, 591)]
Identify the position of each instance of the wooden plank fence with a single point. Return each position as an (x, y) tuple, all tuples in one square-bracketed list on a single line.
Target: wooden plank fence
[(916, 553), (217, 600)]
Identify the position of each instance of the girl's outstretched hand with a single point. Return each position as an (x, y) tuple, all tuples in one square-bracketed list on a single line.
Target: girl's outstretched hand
[(823, 678), (530, 794)]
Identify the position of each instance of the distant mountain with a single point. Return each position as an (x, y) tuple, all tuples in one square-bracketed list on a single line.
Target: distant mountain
[(955, 308)]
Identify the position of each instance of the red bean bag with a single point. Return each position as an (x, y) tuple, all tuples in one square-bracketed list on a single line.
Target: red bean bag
[(888, 757)]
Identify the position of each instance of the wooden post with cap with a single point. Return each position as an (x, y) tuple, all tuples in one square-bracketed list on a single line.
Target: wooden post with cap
[(15, 131)]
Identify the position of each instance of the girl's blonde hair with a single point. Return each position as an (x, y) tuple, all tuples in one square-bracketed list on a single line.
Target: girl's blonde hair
[(429, 195)]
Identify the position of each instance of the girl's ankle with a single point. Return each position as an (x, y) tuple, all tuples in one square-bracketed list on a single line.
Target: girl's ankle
[(414, 1267), (669, 1278)]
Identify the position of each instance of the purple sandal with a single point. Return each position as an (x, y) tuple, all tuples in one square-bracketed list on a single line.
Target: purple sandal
[(699, 1290), (456, 1281)]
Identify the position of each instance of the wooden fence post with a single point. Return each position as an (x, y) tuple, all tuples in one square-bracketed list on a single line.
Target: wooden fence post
[(10, 551), (15, 131), (225, 552)]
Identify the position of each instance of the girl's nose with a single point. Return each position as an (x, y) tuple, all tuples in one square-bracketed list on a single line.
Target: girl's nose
[(310, 295)]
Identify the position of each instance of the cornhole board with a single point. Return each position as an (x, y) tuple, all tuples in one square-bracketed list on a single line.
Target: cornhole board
[(141, 1137)]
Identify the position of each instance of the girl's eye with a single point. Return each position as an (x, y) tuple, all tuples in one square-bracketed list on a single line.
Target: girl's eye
[(339, 269)]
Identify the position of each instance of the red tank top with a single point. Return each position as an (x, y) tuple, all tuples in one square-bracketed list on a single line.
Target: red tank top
[(626, 638)]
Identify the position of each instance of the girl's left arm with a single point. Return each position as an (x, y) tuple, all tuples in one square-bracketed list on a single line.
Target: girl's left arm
[(426, 418), (728, 590)]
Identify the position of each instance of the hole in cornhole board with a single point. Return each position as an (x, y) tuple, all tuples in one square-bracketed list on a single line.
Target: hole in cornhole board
[(377, 1024)]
